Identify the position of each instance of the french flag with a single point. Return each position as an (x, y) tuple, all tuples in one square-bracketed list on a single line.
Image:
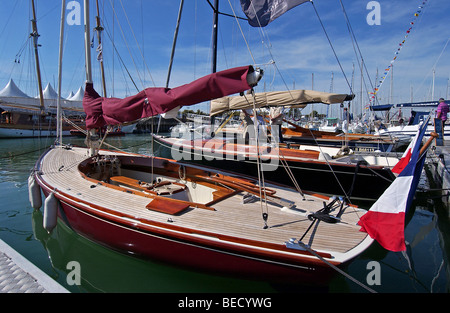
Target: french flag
[(404, 160), (385, 221)]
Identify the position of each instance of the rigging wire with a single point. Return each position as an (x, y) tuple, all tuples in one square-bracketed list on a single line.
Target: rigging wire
[(122, 63), (261, 181), (137, 43), (336, 268), (9, 18), (358, 53), (270, 52), (126, 42), (362, 64), (18, 58), (242, 32), (434, 66), (262, 34), (332, 48)]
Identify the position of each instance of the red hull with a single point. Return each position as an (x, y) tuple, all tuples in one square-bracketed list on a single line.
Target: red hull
[(156, 246)]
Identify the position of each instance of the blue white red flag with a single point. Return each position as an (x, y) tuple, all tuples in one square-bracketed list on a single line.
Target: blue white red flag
[(404, 160), (385, 221)]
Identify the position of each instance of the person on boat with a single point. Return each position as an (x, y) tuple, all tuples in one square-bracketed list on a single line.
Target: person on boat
[(346, 119), (276, 120), (442, 110), (248, 118), (441, 117)]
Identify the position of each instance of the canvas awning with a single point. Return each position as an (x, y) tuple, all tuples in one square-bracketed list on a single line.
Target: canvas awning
[(291, 98), (102, 111)]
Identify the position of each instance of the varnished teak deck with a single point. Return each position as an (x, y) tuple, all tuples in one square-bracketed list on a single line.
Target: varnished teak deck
[(59, 169)]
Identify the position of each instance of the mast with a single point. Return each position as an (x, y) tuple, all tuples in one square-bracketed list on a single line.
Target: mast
[(361, 99), (99, 30), (175, 36), (58, 103), (35, 36), (169, 71), (87, 36), (92, 136), (312, 104), (214, 50), (214, 39)]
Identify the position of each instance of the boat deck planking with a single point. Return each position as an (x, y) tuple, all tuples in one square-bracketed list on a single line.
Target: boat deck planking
[(230, 218)]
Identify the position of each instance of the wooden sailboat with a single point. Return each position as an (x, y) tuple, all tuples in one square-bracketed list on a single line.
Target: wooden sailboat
[(188, 215), (198, 217), (357, 142), (313, 167), (324, 170)]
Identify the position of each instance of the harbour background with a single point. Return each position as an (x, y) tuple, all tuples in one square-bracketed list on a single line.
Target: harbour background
[(423, 268)]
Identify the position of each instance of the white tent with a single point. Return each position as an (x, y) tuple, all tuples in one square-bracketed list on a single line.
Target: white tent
[(11, 90), (78, 95), (50, 93), (11, 96)]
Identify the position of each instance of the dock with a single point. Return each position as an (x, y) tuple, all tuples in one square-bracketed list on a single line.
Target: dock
[(438, 164), (18, 275)]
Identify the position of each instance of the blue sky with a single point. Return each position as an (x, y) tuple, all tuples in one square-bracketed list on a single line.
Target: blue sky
[(296, 43)]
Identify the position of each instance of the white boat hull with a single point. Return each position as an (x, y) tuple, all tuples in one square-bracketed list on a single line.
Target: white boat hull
[(411, 130), (28, 133)]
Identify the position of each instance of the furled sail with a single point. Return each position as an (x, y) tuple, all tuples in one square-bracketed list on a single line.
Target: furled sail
[(101, 111), (261, 12), (291, 98)]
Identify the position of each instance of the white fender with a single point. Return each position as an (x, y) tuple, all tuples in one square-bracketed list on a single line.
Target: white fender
[(34, 193), (50, 212)]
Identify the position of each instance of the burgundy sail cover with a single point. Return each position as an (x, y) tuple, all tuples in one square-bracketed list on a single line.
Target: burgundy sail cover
[(101, 111)]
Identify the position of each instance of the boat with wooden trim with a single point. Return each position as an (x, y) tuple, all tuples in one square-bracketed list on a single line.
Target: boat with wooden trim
[(326, 170), (199, 217), (276, 101), (192, 216), (188, 215), (356, 142)]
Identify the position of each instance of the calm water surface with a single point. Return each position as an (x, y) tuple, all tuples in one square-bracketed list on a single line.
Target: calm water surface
[(424, 268)]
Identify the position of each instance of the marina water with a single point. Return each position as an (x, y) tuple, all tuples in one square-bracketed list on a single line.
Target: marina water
[(423, 268)]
